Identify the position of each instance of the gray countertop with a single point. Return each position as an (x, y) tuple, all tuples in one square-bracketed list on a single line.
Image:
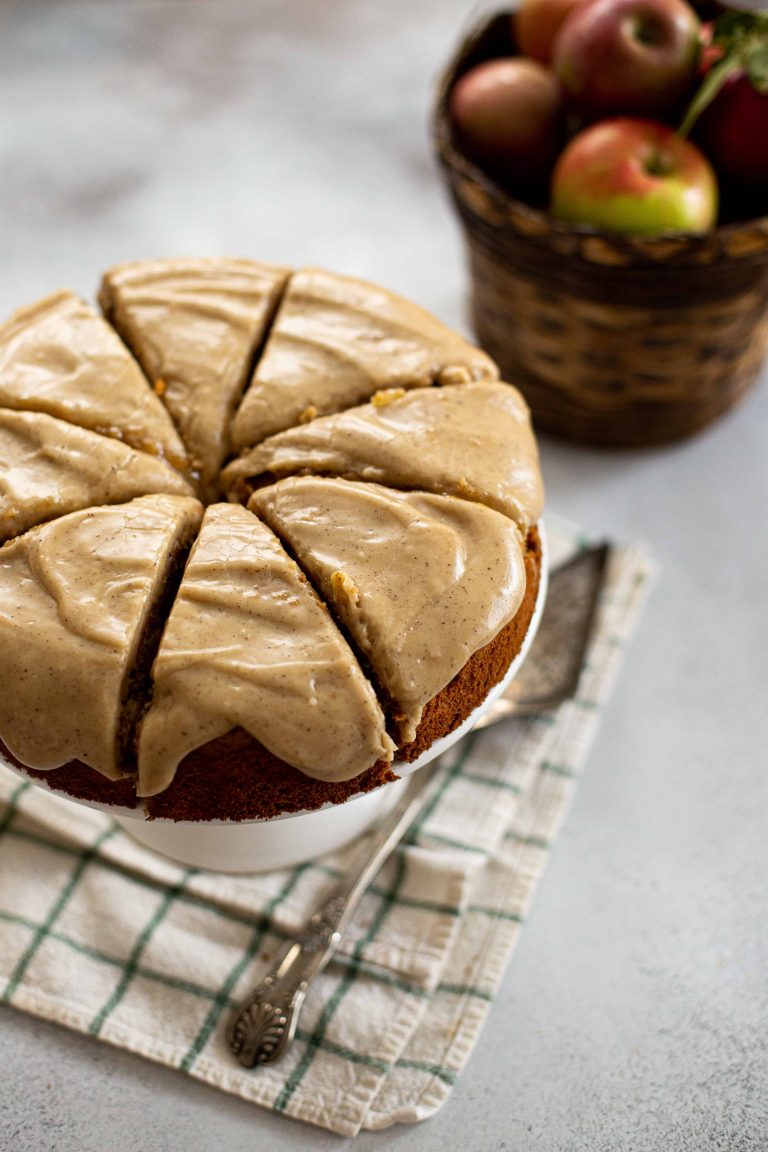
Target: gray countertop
[(633, 1016)]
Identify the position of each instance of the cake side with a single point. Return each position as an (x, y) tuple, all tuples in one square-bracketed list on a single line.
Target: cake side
[(249, 644), (458, 578), (78, 602), (236, 778)]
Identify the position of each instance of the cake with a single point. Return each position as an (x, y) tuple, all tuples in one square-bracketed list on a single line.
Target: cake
[(267, 534)]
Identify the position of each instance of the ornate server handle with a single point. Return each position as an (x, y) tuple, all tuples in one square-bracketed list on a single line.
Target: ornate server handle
[(263, 1026)]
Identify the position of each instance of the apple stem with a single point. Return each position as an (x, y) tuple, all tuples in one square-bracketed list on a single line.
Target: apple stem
[(713, 82)]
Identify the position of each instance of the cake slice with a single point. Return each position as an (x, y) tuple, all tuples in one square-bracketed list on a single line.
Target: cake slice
[(249, 646), (49, 467), (475, 442), (335, 342), (81, 605), (420, 582), (195, 326), (59, 357)]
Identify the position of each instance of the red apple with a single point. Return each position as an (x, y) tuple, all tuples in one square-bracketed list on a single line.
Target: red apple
[(628, 57), (508, 113), (538, 22), (634, 176), (733, 131)]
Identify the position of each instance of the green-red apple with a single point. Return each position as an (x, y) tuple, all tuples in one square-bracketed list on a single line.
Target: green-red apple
[(536, 24), (634, 176), (628, 57), (509, 116)]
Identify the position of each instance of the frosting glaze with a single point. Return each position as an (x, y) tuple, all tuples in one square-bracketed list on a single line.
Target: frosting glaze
[(475, 442), (195, 327), (49, 467), (249, 645), (75, 598), (335, 342), (59, 357), (408, 574)]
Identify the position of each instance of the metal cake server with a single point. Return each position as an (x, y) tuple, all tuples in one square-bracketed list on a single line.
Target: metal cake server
[(552, 668), (262, 1027)]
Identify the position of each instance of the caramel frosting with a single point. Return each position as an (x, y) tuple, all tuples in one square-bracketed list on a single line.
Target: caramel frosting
[(76, 596), (335, 342), (475, 442), (59, 357), (195, 327), (49, 467), (421, 582), (248, 644)]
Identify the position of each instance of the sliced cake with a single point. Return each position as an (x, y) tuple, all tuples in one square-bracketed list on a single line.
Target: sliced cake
[(58, 356), (335, 342), (406, 573), (49, 467), (82, 600), (195, 326), (248, 645), (475, 442)]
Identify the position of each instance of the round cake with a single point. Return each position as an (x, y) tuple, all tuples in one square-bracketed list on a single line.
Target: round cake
[(265, 535)]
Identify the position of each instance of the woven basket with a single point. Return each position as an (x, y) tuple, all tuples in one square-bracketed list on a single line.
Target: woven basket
[(616, 340)]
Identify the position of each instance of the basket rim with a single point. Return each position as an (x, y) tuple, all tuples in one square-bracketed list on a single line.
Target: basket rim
[(535, 221)]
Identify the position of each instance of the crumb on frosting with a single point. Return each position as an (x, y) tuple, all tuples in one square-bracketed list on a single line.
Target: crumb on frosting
[(386, 396), (344, 589), (454, 374)]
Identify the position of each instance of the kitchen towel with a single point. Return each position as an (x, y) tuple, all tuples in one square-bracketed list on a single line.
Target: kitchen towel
[(103, 936)]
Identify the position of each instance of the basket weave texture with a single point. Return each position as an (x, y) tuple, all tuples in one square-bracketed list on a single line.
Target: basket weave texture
[(617, 340)]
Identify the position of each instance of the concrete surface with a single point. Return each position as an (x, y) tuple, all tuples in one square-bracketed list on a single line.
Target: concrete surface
[(633, 1018)]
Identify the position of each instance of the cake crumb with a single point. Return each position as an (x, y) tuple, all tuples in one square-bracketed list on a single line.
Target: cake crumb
[(160, 386), (344, 589), (387, 396), (309, 413), (455, 374)]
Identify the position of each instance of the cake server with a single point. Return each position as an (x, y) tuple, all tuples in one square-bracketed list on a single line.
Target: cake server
[(262, 1027), (551, 672)]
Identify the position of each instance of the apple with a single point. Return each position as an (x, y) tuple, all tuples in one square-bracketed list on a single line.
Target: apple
[(536, 24), (733, 131), (509, 116), (628, 57), (634, 176)]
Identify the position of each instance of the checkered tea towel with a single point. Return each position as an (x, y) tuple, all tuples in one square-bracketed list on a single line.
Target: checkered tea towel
[(103, 936)]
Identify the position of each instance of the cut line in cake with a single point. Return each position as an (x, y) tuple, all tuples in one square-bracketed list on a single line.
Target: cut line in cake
[(196, 327), (82, 602), (49, 467), (336, 341), (398, 570), (59, 357), (473, 442)]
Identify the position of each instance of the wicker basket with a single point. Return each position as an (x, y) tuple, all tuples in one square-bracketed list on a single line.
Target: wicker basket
[(617, 340)]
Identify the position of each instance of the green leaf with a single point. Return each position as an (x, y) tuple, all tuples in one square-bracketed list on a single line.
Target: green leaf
[(743, 38), (733, 28), (757, 69)]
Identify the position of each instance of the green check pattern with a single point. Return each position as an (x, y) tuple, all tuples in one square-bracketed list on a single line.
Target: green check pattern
[(100, 935)]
